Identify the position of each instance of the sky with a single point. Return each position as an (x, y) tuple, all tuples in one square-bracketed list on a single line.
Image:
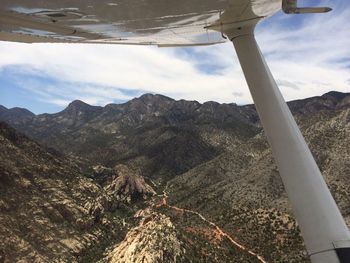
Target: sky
[(308, 55)]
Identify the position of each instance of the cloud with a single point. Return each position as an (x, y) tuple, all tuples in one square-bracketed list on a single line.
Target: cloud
[(59, 102), (237, 94), (286, 83), (127, 67), (307, 54), (61, 93)]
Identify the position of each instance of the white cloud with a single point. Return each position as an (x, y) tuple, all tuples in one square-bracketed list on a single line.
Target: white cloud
[(58, 102), (309, 58)]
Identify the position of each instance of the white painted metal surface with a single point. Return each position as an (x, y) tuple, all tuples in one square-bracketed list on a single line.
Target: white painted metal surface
[(142, 22)]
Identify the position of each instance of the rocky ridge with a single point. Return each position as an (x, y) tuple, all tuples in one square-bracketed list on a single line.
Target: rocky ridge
[(153, 240)]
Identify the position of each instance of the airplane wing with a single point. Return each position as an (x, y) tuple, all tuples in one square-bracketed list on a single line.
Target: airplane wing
[(139, 22)]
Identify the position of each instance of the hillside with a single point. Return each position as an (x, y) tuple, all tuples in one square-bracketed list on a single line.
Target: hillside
[(50, 212)]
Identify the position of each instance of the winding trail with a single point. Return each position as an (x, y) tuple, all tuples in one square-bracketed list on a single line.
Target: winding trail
[(221, 232)]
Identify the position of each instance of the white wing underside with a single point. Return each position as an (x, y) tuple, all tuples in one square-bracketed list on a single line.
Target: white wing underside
[(139, 22)]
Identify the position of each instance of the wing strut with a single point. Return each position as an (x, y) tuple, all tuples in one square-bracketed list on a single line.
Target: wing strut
[(322, 226), (291, 7)]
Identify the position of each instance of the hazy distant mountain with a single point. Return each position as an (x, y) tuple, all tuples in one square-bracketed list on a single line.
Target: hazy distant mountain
[(211, 159)]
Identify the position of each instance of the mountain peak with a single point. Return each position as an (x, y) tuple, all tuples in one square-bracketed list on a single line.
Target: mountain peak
[(77, 113), (336, 94), (79, 107), (78, 104), (149, 103), (149, 97), (2, 108), (18, 110), (17, 114)]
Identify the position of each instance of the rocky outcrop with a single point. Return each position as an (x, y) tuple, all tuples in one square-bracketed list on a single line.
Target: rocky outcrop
[(128, 186), (153, 240), (121, 185)]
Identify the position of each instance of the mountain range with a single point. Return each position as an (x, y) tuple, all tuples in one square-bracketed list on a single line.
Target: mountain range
[(159, 180)]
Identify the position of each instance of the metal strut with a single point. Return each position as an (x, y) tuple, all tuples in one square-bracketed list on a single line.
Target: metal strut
[(325, 233), (291, 7)]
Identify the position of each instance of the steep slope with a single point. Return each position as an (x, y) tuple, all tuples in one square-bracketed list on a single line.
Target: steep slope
[(245, 182), (42, 199), (49, 211)]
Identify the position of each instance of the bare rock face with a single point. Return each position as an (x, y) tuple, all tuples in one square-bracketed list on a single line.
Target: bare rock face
[(121, 186), (101, 173), (128, 186), (42, 214), (154, 240)]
